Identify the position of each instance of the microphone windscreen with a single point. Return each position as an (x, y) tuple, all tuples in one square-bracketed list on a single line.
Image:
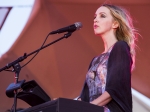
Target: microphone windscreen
[(78, 25)]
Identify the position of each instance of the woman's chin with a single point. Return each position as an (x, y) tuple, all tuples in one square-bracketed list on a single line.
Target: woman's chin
[(97, 33)]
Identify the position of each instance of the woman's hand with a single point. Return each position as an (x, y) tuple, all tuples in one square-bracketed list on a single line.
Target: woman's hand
[(79, 99), (54, 98)]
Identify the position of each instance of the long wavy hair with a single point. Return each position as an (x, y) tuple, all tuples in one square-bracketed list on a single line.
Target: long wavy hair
[(126, 30)]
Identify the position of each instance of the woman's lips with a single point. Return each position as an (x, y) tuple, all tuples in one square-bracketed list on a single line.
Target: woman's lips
[(95, 26)]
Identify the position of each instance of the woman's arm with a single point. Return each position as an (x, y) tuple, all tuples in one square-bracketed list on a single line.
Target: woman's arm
[(102, 100)]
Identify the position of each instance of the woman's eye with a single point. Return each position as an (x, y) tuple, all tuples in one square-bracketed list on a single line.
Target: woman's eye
[(103, 16)]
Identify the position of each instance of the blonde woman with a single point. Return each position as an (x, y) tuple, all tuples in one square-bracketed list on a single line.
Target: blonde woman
[(108, 80)]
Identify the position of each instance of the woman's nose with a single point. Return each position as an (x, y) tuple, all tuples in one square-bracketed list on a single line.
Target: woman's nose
[(95, 20)]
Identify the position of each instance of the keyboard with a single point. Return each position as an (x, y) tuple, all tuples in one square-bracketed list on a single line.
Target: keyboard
[(64, 105)]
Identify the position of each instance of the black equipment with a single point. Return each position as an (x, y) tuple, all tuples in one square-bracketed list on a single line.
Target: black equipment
[(17, 68), (12, 90), (64, 105), (71, 28), (30, 92)]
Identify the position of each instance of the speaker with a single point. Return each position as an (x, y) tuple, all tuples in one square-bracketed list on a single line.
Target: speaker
[(30, 92)]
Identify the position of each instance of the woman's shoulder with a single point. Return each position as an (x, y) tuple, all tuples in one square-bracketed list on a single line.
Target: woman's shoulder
[(121, 44)]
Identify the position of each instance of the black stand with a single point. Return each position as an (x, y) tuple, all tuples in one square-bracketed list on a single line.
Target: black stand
[(17, 68)]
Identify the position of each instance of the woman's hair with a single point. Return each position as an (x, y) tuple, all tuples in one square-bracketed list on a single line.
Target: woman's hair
[(126, 30)]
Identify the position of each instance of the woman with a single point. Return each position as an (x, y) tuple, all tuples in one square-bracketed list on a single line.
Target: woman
[(108, 81)]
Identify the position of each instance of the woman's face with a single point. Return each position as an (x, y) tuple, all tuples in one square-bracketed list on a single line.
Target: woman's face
[(103, 21)]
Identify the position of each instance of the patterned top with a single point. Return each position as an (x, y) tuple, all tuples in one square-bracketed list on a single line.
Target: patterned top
[(97, 76)]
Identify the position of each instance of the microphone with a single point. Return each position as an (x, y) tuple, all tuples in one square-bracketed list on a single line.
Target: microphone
[(71, 28)]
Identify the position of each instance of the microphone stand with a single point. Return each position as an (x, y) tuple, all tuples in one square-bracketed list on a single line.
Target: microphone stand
[(17, 68)]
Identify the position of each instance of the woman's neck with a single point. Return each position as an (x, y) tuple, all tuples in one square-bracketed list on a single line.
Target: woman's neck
[(109, 41)]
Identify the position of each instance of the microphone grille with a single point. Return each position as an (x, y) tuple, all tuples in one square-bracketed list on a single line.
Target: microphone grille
[(78, 25)]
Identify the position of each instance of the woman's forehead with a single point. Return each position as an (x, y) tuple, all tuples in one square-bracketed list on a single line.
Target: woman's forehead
[(102, 9)]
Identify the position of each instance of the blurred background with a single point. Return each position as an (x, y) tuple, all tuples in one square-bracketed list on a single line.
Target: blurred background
[(61, 68)]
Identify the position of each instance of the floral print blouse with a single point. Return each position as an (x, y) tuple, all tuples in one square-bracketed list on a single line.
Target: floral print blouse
[(97, 76)]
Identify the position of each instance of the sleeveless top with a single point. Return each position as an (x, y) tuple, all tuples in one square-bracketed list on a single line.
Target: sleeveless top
[(97, 75)]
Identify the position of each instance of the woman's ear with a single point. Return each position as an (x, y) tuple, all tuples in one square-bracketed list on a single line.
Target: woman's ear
[(115, 25)]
